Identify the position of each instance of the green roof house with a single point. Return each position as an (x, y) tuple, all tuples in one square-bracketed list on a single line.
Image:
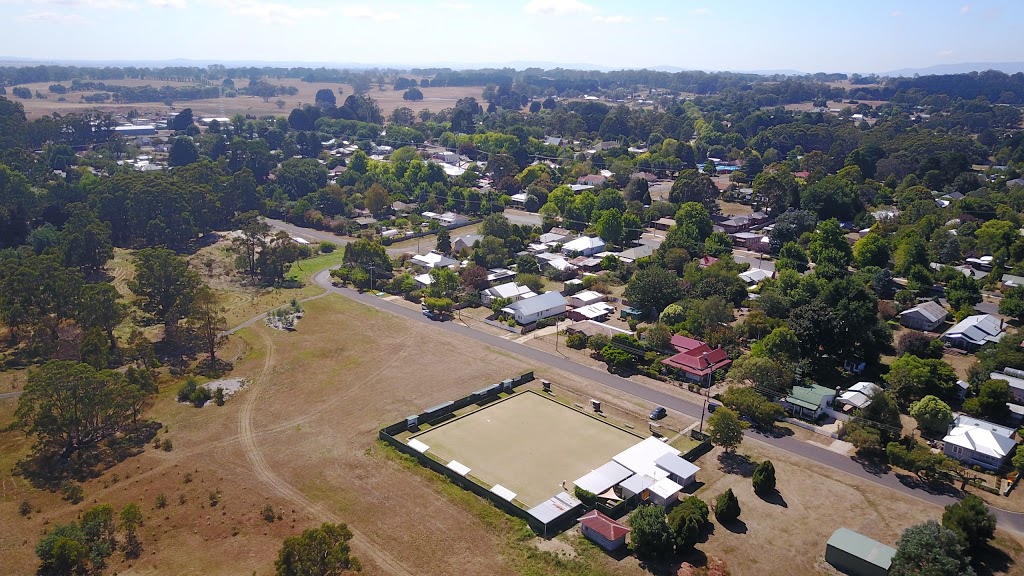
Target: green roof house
[(857, 555), (808, 401)]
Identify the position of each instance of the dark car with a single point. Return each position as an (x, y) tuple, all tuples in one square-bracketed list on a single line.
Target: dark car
[(658, 413), (431, 314)]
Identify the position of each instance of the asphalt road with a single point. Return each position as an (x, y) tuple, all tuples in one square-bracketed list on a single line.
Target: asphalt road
[(521, 217), (1007, 520)]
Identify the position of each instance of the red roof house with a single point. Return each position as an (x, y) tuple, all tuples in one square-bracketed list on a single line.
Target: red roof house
[(695, 359), (603, 531), (706, 261)]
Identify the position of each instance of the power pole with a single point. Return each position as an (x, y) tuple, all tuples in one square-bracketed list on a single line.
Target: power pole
[(707, 396)]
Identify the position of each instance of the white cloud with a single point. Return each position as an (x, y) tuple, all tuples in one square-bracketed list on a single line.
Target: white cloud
[(556, 7), (896, 13), (619, 19), (456, 5), (51, 18), (89, 4), (661, 18), (944, 53), (167, 3), (965, 8), (365, 12), (270, 12), (700, 12)]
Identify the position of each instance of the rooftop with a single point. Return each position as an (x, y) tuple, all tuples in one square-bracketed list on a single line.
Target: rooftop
[(978, 329), (535, 304), (862, 547), (931, 310), (603, 525), (640, 458)]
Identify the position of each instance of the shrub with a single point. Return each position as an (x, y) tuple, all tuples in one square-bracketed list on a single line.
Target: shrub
[(161, 501), (328, 247), (199, 397), (576, 341), (214, 497), (268, 513), (919, 344), (218, 396), (585, 496), (687, 521), (764, 478), (24, 508), (597, 342), (72, 493), (727, 507), (167, 445), (186, 390)]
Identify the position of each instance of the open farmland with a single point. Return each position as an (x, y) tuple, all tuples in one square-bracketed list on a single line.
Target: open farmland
[(434, 99)]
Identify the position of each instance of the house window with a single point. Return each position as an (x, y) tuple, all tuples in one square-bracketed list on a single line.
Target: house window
[(958, 450)]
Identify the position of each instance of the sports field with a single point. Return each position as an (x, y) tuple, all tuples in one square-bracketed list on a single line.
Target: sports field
[(528, 444)]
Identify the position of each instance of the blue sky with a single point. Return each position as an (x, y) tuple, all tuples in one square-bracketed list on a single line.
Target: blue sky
[(866, 36)]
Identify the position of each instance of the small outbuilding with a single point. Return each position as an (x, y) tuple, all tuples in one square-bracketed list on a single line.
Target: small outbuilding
[(603, 531), (857, 555)]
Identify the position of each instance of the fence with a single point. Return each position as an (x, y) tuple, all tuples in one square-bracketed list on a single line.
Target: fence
[(443, 412)]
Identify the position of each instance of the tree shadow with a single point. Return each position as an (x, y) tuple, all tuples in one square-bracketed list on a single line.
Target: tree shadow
[(732, 463), (873, 466), (934, 487), (692, 487), (670, 566), (774, 497), (989, 560), (736, 526), (773, 432)]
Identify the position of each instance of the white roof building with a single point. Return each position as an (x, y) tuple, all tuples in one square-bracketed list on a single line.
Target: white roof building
[(605, 477), (432, 260), (755, 276), (974, 331), (980, 437), (586, 298), (585, 245), (641, 456), (508, 290), (859, 395)]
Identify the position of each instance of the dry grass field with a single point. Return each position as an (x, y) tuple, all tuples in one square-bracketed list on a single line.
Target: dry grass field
[(302, 438), (434, 99)]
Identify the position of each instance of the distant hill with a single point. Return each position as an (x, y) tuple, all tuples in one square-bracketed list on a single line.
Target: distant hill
[(960, 68)]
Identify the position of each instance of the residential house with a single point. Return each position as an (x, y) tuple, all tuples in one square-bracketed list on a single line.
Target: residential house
[(466, 242), (603, 531), (649, 177), (556, 261), (857, 396), (592, 180), (585, 298), (751, 241), (635, 253), (926, 316), (808, 401), (447, 219), (554, 236), (664, 223), (432, 260), (365, 221), (1011, 281), (979, 443), (695, 360), (499, 274), (586, 263), (756, 276), (706, 261), (974, 332), (529, 310), (553, 140), (510, 290), (403, 207), (583, 246), (1015, 378), (735, 224)]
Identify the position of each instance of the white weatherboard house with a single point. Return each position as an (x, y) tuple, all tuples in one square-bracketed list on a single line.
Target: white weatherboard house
[(926, 316), (584, 246), (857, 396), (977, 442), (974, 332), (536, 308), (657, 469)]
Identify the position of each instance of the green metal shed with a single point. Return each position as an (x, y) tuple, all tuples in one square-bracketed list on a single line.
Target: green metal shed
[(858, 555)]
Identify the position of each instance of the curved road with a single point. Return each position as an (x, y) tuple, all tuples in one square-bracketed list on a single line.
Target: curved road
[(1007, 520)]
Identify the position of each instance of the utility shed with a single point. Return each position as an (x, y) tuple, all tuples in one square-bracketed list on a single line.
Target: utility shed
[(858, 555)]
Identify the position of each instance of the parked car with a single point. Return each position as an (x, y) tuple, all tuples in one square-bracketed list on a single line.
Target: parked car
[(712, 406), (658, 413), (431, 314)]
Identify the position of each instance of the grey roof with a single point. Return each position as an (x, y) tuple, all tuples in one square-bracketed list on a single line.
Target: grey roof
[(965, 420), (676, 465), (597, 481), (535, 304), (1014, 382), (862, 547), (637, 483), (978, 329), (554, 507), (931, 310), (1011, 280), (469, 239), (637, 252)]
